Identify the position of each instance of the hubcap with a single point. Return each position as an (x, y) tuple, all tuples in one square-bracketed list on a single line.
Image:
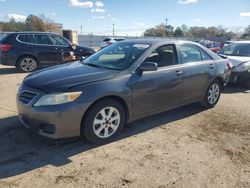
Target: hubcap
[(106, 122), (213, 93), (28, 64)]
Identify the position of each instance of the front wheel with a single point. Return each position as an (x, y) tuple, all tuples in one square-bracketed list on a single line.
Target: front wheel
[(212, 95), (103, 121), (27, 64)]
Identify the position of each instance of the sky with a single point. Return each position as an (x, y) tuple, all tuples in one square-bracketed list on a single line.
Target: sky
[(131, 17)]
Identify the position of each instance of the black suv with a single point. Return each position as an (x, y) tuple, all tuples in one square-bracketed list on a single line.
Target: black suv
[(30, 50)]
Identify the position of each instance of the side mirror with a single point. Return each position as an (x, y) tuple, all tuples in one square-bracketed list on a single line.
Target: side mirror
[(148, 66), (72, 46)]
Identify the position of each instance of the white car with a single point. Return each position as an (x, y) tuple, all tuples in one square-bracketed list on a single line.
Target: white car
[(239, 54), (110, 40)]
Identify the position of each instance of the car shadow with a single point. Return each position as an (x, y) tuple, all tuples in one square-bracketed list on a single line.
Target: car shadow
[(22, 151), (9, 70), (233, 88)]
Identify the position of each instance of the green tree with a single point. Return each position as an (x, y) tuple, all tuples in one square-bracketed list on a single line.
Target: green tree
[(185, 29), (246, 34), (34, 23), (178, 32)]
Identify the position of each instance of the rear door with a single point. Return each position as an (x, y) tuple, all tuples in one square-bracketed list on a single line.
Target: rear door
[(198, 68), (46, 52), (158, 90)]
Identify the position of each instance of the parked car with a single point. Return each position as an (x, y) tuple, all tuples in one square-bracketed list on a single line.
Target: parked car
[(110, 40), (119, 84), (212, 45), (227, 43), (239, 54), (30, 50)]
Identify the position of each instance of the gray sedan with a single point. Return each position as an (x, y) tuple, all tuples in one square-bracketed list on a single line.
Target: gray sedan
[(119, 84)]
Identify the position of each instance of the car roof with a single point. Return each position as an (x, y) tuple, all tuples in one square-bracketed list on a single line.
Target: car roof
[(30, 32), (157, 41), (242, 42)]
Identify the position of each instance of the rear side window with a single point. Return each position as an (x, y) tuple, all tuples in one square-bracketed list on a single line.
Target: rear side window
[(26, 38), (192, 53), (205, 56), (2, 35), (42, 39)]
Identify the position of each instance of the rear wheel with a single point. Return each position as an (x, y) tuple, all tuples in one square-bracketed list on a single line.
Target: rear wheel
[(27, 64), (212, 95), (104, 120)]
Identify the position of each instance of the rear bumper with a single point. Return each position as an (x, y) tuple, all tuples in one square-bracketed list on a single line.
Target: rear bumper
[(6, 59)]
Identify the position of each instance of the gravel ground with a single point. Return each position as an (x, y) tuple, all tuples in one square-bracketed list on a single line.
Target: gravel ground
[(186, 147)]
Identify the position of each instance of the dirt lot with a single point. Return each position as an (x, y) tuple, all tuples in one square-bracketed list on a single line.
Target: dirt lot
[(187, 147)]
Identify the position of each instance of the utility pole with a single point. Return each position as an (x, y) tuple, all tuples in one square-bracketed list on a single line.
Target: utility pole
[(113, 29), (81, 29), (166, 22)]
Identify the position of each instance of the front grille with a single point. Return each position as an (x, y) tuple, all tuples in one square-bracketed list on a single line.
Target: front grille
[(26, 96)]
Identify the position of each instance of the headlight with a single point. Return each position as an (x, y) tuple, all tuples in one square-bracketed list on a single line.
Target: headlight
[(57, 98), (242, 68)]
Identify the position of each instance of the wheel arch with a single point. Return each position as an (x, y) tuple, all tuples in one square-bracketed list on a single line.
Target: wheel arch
[(26, 55)]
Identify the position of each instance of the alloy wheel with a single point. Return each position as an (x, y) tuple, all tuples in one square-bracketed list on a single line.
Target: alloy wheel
[(106, 122), (213, 93), (28, 64)]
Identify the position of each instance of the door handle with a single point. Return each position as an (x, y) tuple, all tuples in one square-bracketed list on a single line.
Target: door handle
[(211, 66), (178, 73)]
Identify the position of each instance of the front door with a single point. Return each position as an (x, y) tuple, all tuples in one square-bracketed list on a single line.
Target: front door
[(158, 90), (63, 47)]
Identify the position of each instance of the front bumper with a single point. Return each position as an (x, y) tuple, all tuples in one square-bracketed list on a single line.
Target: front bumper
[(59, 121)]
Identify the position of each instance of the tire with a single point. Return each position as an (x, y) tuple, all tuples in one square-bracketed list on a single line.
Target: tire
[(98, 127), (212, 95), (27, 64)]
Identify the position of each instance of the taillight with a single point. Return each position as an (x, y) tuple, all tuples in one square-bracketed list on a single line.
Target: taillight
[(5, 47), (230, 65), (109, 43)]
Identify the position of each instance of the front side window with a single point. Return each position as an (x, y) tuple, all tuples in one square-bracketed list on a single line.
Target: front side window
[(58, 40), (118, 56), (26, 38), (42, 39), (236, 49), (164, 56), (190, 53)]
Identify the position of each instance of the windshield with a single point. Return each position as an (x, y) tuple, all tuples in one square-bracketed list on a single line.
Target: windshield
[(236, 49), (117, 56)]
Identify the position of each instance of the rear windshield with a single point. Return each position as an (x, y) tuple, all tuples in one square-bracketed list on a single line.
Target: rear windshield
[(106, 40), (118, 40), (236, 49)]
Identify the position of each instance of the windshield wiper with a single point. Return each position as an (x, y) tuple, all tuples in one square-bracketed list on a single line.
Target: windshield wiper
[(94, 65)]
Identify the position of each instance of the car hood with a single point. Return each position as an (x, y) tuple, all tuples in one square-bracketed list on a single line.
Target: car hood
[(236, 60), (85, 49), (62, 78)]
